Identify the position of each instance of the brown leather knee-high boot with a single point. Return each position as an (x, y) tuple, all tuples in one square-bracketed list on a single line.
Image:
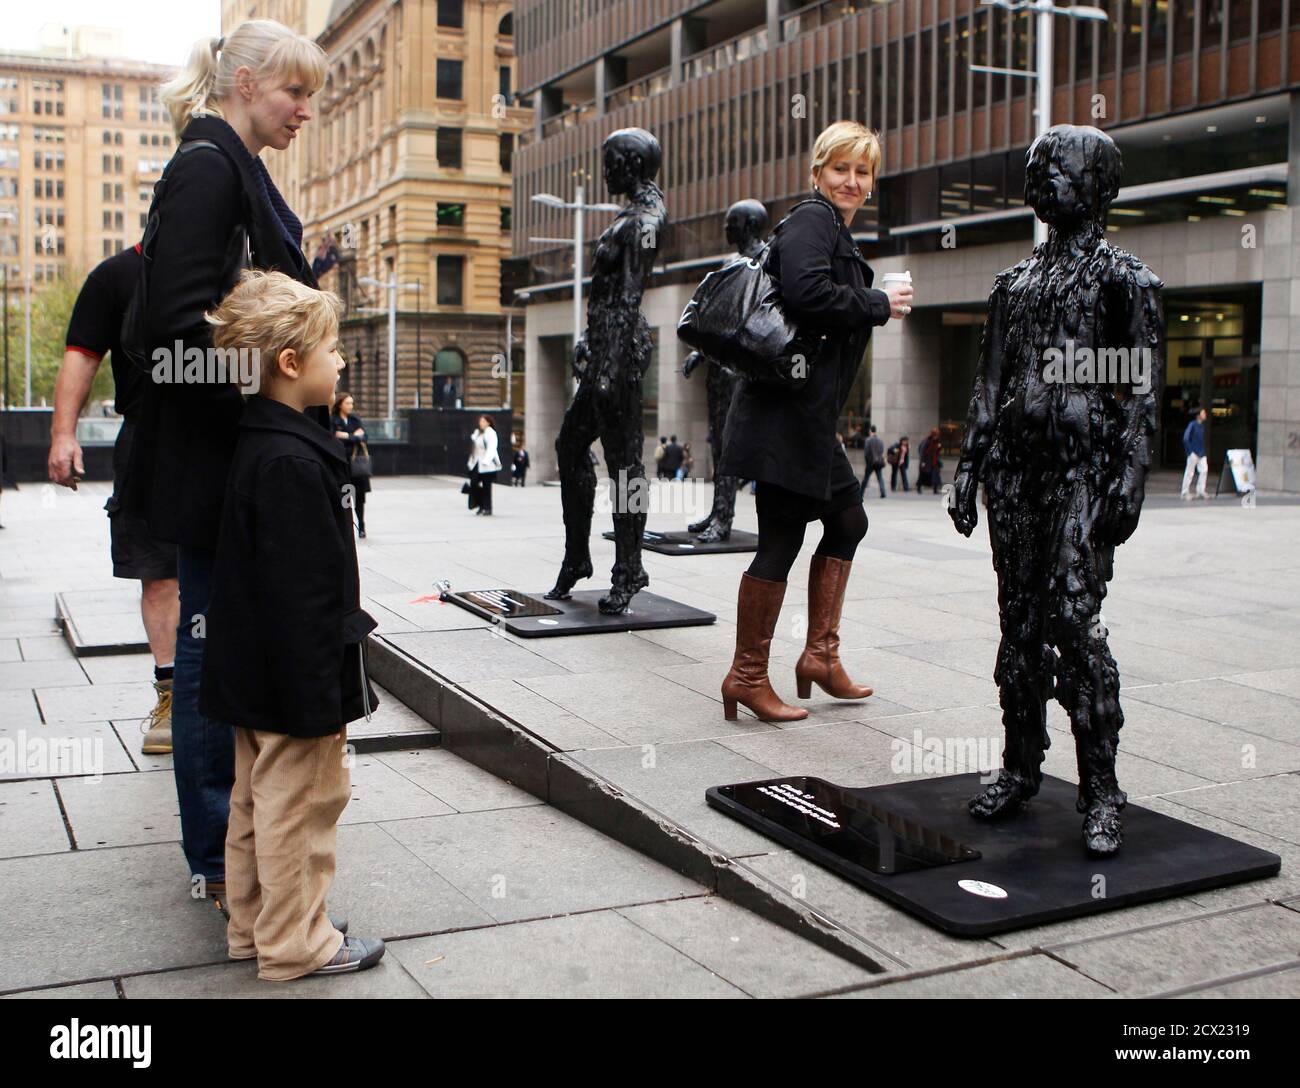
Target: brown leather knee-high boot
[(758, 607), (820, 661)]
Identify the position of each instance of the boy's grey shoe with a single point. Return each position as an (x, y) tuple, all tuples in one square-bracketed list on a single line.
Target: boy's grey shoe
[(355, 954)]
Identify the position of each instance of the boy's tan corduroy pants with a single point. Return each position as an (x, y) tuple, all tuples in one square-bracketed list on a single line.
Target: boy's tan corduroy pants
[(288, 795)]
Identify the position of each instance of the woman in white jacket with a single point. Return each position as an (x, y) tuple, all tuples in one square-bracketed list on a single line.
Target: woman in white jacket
[(484, 464)]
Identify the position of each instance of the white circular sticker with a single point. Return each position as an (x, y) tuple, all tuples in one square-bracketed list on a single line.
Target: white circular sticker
[(549, 623), (980, 887)]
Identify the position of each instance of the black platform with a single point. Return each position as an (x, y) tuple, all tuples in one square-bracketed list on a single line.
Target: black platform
[(683, 543), (914, 844), (531, 616)]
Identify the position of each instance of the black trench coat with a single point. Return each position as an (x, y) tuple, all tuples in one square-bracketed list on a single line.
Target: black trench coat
[(210, 203), (282, 647), (788, 438)]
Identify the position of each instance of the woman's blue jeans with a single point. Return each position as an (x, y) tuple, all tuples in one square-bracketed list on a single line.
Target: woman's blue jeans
[(203, 751)]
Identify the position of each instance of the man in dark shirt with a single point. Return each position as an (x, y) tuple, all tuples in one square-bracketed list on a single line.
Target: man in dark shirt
[(672, 459), (95, 330), (875, 457)]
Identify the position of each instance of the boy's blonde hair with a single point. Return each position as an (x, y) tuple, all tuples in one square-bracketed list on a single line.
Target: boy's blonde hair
[(267, 312), (274, 54), (849, 140)]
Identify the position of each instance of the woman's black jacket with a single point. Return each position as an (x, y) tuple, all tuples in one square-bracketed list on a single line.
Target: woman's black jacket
[(282, 642), (212, 221), (351, 444), (788, 438)]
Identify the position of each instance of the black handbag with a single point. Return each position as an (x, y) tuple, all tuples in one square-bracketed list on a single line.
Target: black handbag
[(362, 469), (736, 316)]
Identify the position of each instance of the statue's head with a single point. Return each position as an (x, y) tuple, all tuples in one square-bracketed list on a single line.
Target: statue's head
[(1072, 173), (632, 156), (746, 222)]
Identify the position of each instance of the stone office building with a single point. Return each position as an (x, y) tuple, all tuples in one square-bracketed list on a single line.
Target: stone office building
[(1203, 97)]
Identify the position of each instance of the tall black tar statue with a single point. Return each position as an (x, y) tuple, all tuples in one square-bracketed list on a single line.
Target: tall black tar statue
[(1060, 429), (609, 363)]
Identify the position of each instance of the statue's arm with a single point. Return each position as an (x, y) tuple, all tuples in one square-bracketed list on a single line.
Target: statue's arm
[(1142, 313), (981, 418)]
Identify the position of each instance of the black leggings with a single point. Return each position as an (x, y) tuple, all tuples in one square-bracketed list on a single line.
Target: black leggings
[(781, 537)]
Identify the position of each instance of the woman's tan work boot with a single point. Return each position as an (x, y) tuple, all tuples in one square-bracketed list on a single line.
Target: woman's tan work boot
[(820, 661), (757, 610)]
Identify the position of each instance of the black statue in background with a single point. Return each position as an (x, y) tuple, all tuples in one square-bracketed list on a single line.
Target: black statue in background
[(746, 224), (609, 362), (1062, 449)]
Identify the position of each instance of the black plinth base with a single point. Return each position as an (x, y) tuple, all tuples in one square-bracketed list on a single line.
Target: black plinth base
[(684, 543), (532, 616), (914, 844)]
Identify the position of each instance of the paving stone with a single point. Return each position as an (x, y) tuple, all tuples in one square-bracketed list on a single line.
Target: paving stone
[(239, 980), (639, 707), (30, 820), (456, 782), (539, 716), (753, 954), (119, 668), (1282, 681), (463, 656), (531, 862), (976, 656), (901, 941), (391, 717), (384, 890), (912, 684), (19, 707), (597, 955), (1145, 664), (846, 753), (1272, 986), (61, 750), (82, 915), (131, 734), (102, 702), (1181, 954), (1022, 977), (429, 615), (381, 793), (1239, 706), (9, 650), (595, 653), (122, 810), (29, 626), (85, 991), (1264, 804), (674, 783), (41, 674), (45, 648)]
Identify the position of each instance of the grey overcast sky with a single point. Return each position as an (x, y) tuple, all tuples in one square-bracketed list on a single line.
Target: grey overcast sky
[(155, 30)]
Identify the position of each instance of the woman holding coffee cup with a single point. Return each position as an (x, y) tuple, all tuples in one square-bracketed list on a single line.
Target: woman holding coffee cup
[(786, 441)]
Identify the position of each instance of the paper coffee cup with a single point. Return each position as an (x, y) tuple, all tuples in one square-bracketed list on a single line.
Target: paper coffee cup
[(898, 277)]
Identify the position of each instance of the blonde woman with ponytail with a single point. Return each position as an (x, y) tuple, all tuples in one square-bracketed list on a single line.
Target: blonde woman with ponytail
[(215, 212)]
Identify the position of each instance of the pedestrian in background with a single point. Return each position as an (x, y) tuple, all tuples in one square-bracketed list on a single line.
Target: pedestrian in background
[(484, 463), (931, 462), (659, 455), (349, 430), (1197, 463), (899, 457), (874, 453), (672, 459), (688, 463), (520, 464)]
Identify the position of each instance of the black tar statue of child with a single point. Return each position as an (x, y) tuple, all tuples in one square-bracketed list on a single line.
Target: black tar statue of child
[(1063, 458)]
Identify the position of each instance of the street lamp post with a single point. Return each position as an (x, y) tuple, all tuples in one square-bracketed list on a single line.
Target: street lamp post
[(1042, 72), (392, 287), (579, 207)]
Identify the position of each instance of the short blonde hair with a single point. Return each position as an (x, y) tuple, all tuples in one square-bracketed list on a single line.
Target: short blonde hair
[(848, 140), (267, 312), (270, 50)]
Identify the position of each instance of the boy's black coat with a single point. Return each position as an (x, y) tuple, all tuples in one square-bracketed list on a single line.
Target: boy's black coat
[(285, 623)]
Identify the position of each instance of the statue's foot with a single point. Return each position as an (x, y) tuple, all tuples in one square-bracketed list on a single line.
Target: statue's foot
[(569, 575), (1003, 798), (715, 534), (701, 525), (1103, 831), (620, 595)]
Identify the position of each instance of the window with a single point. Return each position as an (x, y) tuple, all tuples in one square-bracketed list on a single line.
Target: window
[(507, 217), (451, 281), (108, 137), (110, 100), (503, 82), (451, 13), (449, 79), (451, 215), (449, 147), (506, 28), (507, 151)]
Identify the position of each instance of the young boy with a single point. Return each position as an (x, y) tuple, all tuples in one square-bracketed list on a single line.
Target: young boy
[(283, 659)]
